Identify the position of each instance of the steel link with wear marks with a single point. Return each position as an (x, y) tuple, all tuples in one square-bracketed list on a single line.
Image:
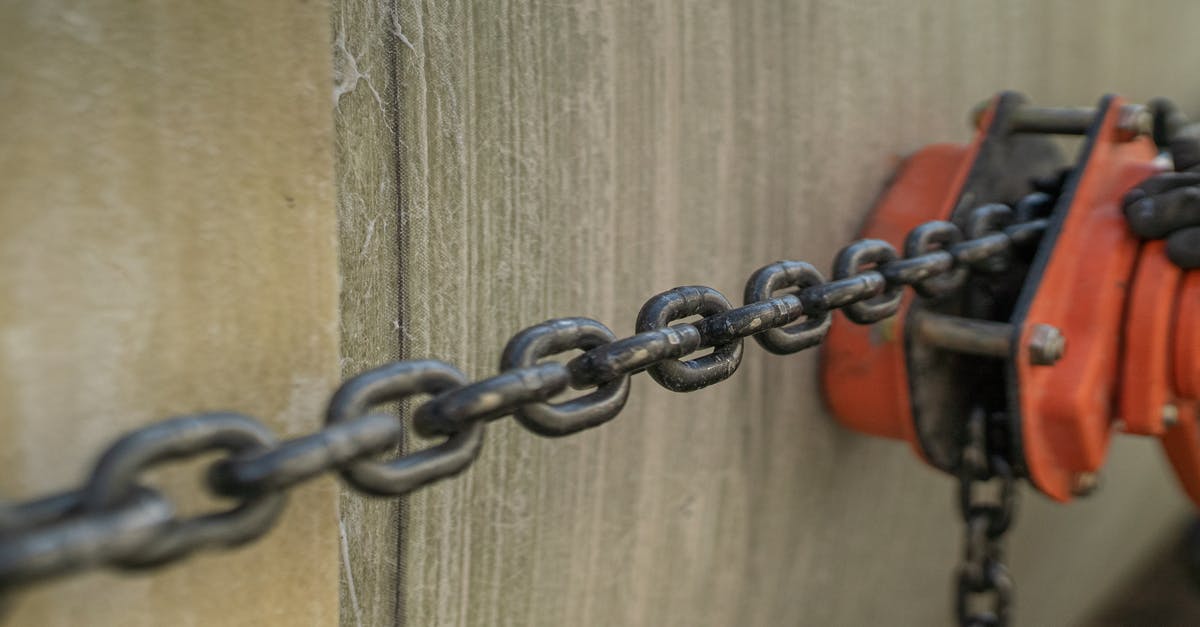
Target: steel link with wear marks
[(116, 521)]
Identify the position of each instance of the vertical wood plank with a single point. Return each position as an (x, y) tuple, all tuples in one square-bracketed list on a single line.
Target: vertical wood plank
[(167, 246), (366, 41)]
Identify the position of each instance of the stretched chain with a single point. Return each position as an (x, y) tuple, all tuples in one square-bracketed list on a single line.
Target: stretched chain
[(116, 520), (982, 573)]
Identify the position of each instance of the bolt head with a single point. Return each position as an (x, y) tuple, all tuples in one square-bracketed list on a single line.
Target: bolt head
[(1047, 345), (1084, 483), (1134, 120), (1170, 415)]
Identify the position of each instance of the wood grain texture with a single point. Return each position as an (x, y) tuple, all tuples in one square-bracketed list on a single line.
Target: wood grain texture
[(574, 158), (366, 41), (167, 246)]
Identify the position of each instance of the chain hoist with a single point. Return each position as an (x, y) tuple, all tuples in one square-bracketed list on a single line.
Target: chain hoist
[(1005, 247), (1026, 366)]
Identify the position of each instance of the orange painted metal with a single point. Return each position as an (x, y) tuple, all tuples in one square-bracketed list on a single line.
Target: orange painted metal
[(1182, 440), (1067, 409), (1187, 337), (1182, 445), (1160, 360), (1147, 384), (857, 358)]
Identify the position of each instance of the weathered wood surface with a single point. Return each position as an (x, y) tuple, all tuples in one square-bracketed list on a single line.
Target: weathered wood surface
[(365, 44), (574, 158), (167, 246), (168, 243)]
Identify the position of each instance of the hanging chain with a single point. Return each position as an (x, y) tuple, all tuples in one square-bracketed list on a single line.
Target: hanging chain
[(982, 573), (117, 520)]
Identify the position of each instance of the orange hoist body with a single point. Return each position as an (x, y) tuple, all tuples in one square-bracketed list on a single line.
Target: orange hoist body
[(1097, 332)]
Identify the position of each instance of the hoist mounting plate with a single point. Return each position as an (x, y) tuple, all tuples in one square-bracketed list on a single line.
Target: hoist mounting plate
[(1078, 283)]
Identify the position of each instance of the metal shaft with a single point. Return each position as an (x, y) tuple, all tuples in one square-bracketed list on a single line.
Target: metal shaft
[(1134, 120), (964, 335)]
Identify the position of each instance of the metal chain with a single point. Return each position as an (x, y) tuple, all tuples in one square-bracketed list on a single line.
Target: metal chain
[(116, 520), (982, 573)]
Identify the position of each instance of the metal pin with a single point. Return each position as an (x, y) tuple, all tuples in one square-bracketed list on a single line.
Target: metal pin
[(964, 335), (1132, 121)]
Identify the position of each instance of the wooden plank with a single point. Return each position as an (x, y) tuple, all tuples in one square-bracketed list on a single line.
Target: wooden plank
[(575, 158), (167, 238), (366, 41)]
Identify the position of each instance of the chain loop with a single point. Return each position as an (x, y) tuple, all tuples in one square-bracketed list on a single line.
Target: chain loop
[(491, 398), (840, 293), (681, 302), (1032, 207), (998, 584), (982, 572), (883, 303), (16, 517), (1026, 233), (396, 382), (303, 458), (114, 480), (633, 354), (999, 514), (82, 542), (746, 321), (924, 241), (783, 275), (990, 218), (585, 412)]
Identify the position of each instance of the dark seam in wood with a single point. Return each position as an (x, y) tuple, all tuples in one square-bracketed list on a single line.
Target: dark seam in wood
[(393, 68)]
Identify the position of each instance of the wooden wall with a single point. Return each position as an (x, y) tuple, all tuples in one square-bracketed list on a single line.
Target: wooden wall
[(175, 211), (575, 158), (168, 246)]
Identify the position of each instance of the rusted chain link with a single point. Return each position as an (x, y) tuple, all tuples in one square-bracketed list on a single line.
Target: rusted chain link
[(114, 520)]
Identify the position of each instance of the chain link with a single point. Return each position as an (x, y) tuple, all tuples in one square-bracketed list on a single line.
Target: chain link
[(982, 572), (117, 521)]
